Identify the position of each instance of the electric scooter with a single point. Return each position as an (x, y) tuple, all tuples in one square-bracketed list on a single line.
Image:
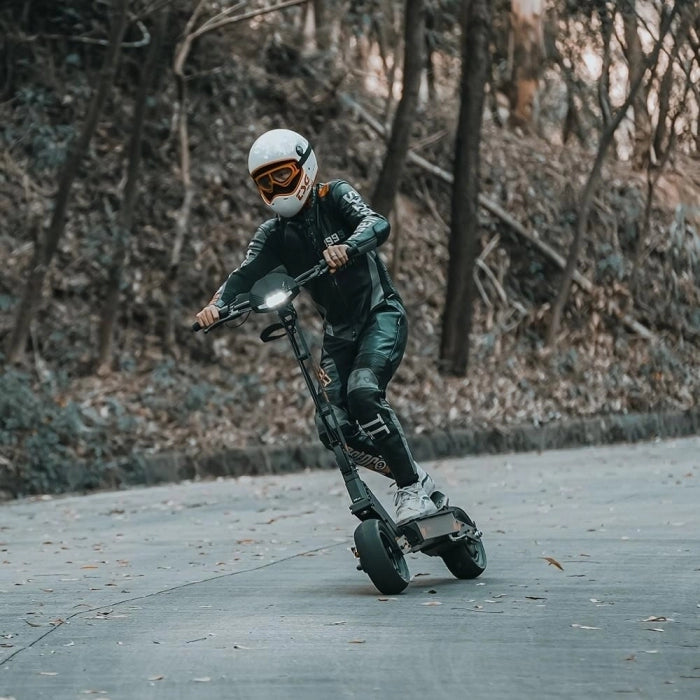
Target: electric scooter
[(380, 544)]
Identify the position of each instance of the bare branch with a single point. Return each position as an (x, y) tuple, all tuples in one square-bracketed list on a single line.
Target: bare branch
[(211, 25), (145, 39)]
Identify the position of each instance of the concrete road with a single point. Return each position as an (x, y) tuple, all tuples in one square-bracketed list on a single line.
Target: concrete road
[(247, 588)]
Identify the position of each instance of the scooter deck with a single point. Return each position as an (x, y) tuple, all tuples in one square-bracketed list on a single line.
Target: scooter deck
[(434, 530)]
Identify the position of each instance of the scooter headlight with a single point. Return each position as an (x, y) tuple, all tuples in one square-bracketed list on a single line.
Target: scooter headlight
[(277, 299)]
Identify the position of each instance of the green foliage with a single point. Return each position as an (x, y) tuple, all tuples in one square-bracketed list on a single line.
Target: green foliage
[(199, 396), (612, 266), (52, 445), (45, 142)]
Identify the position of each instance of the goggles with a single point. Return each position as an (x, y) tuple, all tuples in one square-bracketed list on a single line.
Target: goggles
[(280, 178)]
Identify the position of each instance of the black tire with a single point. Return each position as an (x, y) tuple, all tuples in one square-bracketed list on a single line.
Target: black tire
[(466, 558), (380, 557)]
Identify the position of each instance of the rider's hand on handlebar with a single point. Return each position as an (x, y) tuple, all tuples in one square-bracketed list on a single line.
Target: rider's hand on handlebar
[(336, 256), (208, 315)]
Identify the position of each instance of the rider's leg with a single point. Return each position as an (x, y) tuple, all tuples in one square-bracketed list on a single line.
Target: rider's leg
[(380, 350), (384, 340)]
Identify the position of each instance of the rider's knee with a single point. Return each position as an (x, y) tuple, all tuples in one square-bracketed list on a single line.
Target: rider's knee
[(364, 394)]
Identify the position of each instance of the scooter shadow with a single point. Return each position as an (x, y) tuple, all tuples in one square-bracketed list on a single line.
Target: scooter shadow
[(419, 585)]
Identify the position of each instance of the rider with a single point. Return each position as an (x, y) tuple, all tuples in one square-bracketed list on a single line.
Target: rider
[(365, 328)]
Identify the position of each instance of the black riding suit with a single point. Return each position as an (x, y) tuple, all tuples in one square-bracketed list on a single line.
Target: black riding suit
[(365, 329)]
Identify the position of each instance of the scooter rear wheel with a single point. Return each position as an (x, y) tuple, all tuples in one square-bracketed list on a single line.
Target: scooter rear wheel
[(380, 557), (466, 558)]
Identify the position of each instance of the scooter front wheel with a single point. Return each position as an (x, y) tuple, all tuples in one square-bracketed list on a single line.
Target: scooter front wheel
[(380, 556)]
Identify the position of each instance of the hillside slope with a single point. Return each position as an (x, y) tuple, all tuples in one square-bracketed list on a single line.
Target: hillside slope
[(227, 389)]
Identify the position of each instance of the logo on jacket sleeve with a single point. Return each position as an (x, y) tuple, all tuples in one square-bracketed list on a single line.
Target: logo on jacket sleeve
[(333, 238), (357, 203)]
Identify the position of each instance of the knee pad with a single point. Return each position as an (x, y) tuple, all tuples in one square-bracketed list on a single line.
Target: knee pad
[(364, 394)]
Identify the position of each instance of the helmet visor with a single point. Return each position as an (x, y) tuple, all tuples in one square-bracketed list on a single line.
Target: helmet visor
[(277, 179)]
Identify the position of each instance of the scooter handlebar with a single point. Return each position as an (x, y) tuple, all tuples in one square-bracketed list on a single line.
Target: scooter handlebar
[(320, 268), (226, 313)]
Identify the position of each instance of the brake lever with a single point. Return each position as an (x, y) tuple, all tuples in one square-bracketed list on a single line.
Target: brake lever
[(227, 313)]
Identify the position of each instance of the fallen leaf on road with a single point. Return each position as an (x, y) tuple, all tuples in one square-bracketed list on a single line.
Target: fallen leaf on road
[(553, 562), (48, 673), (656, 618), (203, 679), (585, 627), (357, 641), (432, 602), (156, 678)]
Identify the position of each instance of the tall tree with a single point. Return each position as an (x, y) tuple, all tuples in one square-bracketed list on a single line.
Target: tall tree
[(47, 241), (527, 42), (636, 66), (390, 175), (197, 26), (122, 227), (606, 140), (463, 244)]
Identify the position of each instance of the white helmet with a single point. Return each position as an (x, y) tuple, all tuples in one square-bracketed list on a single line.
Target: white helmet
[(284, 168)]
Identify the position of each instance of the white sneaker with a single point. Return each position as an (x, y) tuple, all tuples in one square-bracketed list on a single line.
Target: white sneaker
[(425, 480), (412, 502)]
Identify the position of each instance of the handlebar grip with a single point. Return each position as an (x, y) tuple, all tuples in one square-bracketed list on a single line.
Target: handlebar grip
[(196, 326)]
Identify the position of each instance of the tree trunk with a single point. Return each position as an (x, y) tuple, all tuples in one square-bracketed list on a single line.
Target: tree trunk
[(122, 231), (457, 316), (47, 242), (390, 175), (636, 65), (662, 134), (606, 139), (606, 30), (321, 26), (430, 48), (528, 54), (182, 219)]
